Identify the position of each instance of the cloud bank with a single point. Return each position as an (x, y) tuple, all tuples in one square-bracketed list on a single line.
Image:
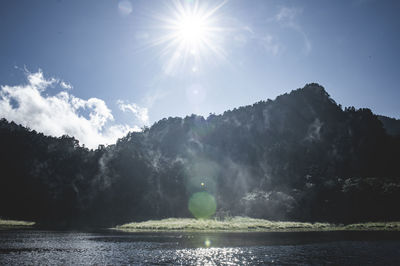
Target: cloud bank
[(141, 113), (90, 121)]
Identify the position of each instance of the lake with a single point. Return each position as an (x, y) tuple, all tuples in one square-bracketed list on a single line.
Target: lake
[(108, 247)]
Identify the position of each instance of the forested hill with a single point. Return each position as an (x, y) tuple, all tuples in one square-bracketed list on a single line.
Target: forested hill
[(391, 125), (298, 157)]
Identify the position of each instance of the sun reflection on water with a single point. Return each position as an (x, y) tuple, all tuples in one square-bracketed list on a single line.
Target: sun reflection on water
[(213, 256)]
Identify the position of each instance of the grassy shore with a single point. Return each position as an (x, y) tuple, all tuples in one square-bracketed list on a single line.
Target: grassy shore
[(245, 224), (12, 224)]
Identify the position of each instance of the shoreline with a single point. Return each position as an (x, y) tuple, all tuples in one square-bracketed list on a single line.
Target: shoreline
[(15, 224), (227, 225), (245, 224)]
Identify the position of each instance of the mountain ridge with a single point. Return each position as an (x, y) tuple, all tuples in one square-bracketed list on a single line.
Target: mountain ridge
[(298, 157)]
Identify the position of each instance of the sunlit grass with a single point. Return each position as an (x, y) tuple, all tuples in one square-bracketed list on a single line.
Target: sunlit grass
[(230, 224), (245, 224), (388, 226), (6, 224)]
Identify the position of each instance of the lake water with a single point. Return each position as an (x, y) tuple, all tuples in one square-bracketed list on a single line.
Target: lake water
[(105, 247)]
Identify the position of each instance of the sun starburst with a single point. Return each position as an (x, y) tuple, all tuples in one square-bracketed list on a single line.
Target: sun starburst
[(191, 36)]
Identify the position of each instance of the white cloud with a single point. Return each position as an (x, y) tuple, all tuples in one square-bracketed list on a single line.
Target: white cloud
[(65, 85), (288, 14), (38, 81), (287, 17), (141, 113), (270, 44), (61, 114), (265, 40)]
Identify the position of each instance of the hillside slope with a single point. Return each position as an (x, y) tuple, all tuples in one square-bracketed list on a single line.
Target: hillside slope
[(298, 157)]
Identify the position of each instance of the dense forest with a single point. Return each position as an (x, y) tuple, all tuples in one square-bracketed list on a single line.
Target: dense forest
[(299, 157)]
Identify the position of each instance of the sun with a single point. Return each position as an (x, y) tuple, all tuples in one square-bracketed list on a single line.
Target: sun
[(191, 36), (192, 29)]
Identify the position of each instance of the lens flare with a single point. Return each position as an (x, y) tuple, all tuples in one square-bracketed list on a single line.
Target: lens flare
[(125, 7), (202, 205)]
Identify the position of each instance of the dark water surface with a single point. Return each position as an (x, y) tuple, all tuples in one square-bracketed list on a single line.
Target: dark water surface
[(111, 248)]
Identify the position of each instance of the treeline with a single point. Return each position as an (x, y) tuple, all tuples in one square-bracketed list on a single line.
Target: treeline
[(299, 157)]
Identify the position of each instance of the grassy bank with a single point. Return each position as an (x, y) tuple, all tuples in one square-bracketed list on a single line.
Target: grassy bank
[(245, 224), (12, 224)]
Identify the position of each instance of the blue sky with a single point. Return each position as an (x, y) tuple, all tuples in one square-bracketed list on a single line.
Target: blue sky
[(113, 66)]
